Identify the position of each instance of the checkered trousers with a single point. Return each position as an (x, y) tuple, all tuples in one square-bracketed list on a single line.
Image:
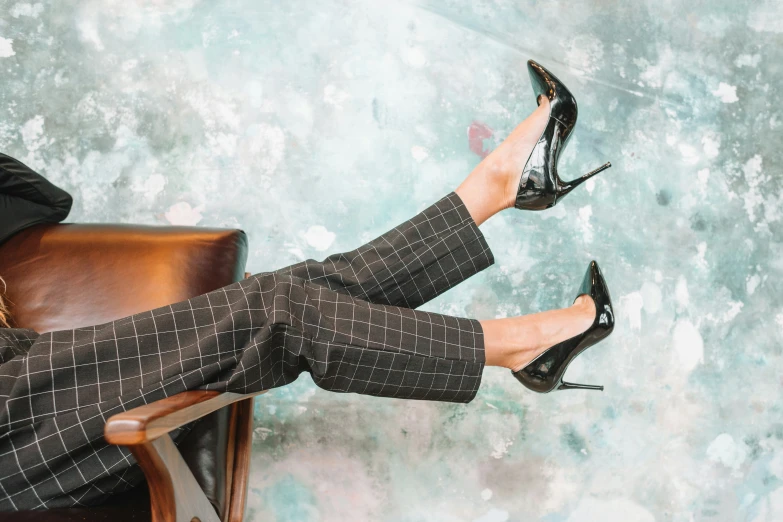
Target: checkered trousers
[(348, 321)]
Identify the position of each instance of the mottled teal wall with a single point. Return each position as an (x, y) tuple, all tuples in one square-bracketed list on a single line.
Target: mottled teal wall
[(315, 126)]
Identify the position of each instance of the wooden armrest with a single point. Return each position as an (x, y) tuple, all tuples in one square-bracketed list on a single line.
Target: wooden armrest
[(147, 423), (175, 496)]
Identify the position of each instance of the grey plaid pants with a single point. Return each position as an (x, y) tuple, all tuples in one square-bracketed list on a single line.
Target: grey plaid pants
[(348, 321)]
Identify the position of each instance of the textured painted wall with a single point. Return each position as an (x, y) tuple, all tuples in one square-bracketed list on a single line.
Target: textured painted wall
[(315, 126)]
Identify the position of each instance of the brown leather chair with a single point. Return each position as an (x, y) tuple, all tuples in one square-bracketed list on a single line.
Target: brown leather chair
[(66, 276)]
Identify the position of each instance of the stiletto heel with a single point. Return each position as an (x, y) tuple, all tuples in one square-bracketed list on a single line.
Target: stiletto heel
[(565, 188), (540, 186), (545, 373), (576, 386)]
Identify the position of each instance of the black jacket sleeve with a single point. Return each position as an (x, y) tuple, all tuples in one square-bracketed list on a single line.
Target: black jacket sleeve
[(27, 198)]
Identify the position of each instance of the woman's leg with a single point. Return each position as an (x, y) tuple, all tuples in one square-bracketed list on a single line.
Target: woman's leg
[(442, 245), (411, 263), (253, 335)]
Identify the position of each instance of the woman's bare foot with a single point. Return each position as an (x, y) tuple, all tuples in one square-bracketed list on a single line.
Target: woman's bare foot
[(514, 342), (492, 186)]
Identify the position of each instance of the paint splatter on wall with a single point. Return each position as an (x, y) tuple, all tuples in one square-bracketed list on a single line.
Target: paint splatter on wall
[(315, 127)]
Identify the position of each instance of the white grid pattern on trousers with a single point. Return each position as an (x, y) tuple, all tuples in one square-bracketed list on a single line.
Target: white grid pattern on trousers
[(347, 321)]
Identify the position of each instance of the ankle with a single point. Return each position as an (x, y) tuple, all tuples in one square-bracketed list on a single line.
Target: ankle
[(480, 194), (536, 345), (495, 175)]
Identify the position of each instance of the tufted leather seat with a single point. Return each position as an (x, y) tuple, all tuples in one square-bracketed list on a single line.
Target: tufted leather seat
[(65, 276)]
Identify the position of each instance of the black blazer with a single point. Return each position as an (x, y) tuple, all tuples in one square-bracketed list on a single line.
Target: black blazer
[(27, 198)]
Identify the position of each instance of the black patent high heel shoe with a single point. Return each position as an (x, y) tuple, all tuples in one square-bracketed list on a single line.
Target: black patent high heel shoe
[(545, 373), (540, 187)]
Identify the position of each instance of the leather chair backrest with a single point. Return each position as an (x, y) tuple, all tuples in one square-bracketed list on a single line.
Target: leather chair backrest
[(65, 276)]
